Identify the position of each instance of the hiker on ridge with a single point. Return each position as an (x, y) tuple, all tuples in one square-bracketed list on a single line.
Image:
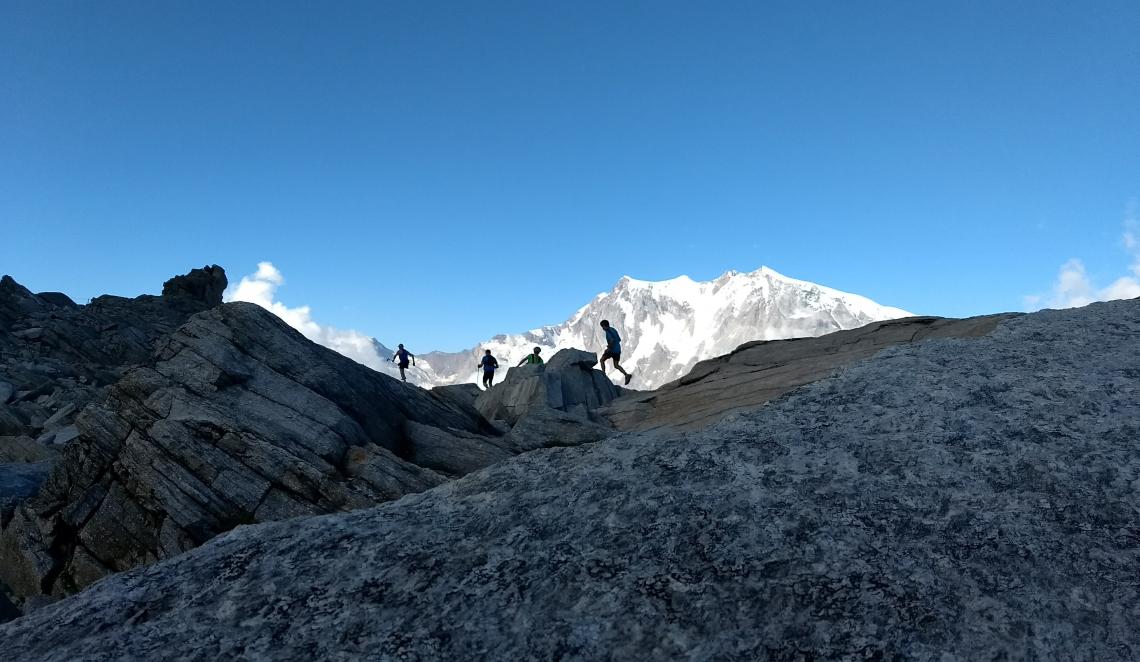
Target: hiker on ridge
[(533, 358), (489, 365), (613, 350), (401, 357)]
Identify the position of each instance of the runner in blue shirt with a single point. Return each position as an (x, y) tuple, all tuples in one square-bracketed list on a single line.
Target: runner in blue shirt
[(613, 350), (489, 365), (401, 357)]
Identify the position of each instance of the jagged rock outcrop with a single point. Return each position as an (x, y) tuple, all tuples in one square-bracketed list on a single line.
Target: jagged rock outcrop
[(761, 371), (206, 285), (237, 418), (957, 499), (55, 355), (567, 383)]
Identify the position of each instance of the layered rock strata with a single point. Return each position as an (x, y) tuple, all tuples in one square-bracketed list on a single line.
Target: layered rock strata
[(55, 355), (236, 419)]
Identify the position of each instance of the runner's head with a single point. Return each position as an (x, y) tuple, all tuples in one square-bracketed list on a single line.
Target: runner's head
[(605, 324), (488, 352), (537, 350), (401, 345)]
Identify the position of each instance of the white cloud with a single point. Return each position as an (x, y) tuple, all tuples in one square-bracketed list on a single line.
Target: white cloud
[(261, 288), (1074, 287)]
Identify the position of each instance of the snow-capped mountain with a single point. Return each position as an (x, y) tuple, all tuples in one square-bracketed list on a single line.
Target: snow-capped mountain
[(668, 326)]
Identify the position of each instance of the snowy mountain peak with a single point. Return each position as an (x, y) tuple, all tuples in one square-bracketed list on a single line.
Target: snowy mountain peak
[(669, 325)]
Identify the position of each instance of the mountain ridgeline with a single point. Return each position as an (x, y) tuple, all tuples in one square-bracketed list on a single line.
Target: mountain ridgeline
[(668, 326)]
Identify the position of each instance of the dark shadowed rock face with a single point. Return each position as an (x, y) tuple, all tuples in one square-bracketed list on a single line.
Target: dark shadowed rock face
[(18, 481), (55, 356), (206, 285), (236, 419), (947, 500)]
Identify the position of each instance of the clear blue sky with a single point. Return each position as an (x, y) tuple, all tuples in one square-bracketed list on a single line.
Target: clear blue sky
[(440, 172)]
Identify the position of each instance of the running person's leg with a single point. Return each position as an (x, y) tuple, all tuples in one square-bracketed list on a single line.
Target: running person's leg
[(617, 364)]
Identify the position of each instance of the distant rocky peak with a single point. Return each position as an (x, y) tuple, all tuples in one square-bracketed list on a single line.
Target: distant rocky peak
[(10, 288)]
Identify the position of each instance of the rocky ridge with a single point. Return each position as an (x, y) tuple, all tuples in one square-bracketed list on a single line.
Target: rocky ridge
[(760, 371), (236, 418), (954, 499), (56, 355)]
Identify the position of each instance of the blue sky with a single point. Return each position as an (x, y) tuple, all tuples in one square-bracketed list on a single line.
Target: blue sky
[(435, 173)]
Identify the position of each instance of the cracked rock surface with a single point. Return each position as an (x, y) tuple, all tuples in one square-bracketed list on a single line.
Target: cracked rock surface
[(56, 356), (236, 419), (950, 500)]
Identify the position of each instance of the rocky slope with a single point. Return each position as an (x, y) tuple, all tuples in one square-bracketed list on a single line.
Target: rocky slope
[(757, 372), (668, 326), (56, 355), (237, 418), (956, 499)]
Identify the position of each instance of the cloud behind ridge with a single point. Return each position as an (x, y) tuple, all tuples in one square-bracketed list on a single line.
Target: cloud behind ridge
[(261, 288)]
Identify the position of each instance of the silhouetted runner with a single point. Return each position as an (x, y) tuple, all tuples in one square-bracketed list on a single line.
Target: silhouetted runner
[(489, 365), (532, 358), (401, 357), (613, 350)]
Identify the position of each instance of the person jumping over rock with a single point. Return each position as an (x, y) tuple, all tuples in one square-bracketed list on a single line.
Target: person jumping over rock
[(401, 357), (533, 358), (613, 350), (489, 365)]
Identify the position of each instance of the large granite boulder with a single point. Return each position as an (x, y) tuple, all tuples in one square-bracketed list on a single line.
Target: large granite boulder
[(567, 382), (236, 419), (546, 427), (958, 499), (463, 394), (760, 371)]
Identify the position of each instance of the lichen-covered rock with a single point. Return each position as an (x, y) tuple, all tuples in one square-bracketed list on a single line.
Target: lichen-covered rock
[(949, 500)]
